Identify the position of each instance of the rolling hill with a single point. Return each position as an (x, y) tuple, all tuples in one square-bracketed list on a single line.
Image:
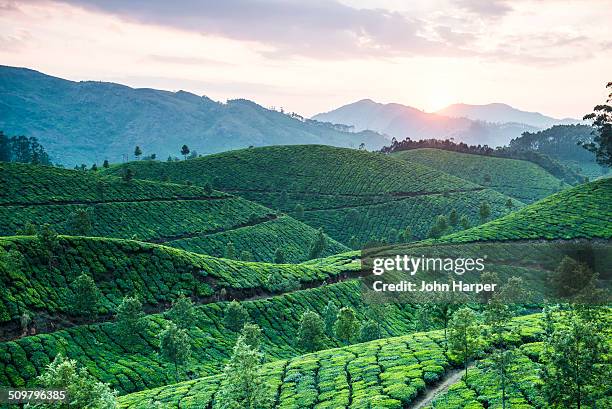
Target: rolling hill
[(89, 121), (401, 121), (582, 212), (344, 191), (188, 217), (522, 180)]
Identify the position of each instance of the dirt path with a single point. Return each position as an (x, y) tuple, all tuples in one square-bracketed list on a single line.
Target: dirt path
[(453, 376)]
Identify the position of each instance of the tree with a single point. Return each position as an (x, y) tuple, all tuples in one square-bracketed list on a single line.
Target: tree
[(406, 235), (575, 369), (330, 314), (569, 278), (185, 151), (252, 335), (128, 175), (318, 245), (130, 318), (86, 295), (464, 223), (464, 336), (509, 203), (137, 152), (235, 316), (311, 331), (299, 211), (207, 188), (83, 389), (496, 315), (183, 312), (27, 230), (500, 364), (242, 386), (370, 331), (5, 148), (346, 325), (80, 222), (174, 346), (106, 165), (230, 251), (353, 243), (601, 145), (484, 211), (94, 168), (246, 255), (453, 217), (279, 257)]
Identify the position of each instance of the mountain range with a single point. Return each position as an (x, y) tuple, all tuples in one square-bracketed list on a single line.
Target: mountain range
[(85, 122), (491, 124)]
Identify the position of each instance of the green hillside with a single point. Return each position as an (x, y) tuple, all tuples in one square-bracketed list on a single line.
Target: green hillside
[(344, 191), (188, 217), (520, 179), (388, 373), (583, 211), (121, 267)]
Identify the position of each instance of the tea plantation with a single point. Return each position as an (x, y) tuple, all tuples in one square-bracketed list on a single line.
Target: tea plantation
[(582, 212), (523, 180), (386, 373), (191, 218), (344, 191), (35, 280)]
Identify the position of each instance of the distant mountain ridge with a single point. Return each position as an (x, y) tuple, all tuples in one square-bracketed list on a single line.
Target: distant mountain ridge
[(503, 113), (88, 121), (401, 121)]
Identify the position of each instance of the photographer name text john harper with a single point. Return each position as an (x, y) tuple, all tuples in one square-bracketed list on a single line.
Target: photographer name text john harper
[(433, 286)]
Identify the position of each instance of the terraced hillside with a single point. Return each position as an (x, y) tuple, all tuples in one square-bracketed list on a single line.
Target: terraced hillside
[(388, 373), (121, 267), (192, 218), (522, 180), (344, 191), (584, 211)]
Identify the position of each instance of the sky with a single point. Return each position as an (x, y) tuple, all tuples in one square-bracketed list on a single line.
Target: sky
[(550, 56)]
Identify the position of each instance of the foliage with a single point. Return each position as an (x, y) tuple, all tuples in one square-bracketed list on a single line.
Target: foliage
[(183, 312), (235, 316), (130, 318), (464, 336), (23, 150), (311, 331), (369, 331), (86, 295), (83, 390), (346, 325), (601, 144), (175, 346)]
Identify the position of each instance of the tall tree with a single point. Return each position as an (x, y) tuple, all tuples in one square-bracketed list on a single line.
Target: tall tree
[(174, 345), (484, 211), (346, 325), (80, 222), (369, 331), (311, 331), (242, 386), (230, 251), (183, 312), (137, 152), (82, 389), (279, 257), (601, 145), (252, 335), (235, 316), (86, 295), (318, 245), (330, 314), (130, 318), (185, 151), (464, 336), (500, 363), (576, 364), (299, 211)]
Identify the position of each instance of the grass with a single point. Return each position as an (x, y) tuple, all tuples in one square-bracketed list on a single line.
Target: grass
[(522, 180)]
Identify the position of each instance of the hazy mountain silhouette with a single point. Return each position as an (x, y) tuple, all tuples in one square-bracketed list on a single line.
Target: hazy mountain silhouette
[(403, 121), (90, 121)]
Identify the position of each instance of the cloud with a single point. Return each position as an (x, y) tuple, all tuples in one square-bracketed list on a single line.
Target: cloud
[(179, 60), (485, 8), (316, 28)]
